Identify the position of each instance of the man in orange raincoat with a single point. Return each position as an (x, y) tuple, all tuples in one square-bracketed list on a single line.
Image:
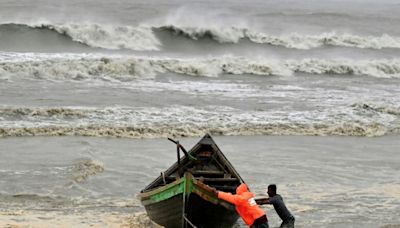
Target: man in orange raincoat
[(246, 206)]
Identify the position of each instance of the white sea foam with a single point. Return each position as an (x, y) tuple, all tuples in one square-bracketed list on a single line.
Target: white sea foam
[(85, 168)]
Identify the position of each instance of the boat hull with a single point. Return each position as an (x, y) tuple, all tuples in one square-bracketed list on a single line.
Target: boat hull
[(167, 213), (202, 213), (168, 205)]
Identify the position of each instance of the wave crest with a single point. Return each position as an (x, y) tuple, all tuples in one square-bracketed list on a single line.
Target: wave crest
[(222, 35)]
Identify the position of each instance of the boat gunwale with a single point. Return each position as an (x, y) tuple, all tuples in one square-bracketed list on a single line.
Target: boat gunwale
[(148, 194), (197, 187), (205, 192)]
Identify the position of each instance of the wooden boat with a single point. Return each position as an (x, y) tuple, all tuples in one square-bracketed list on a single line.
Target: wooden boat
[(181, 196)]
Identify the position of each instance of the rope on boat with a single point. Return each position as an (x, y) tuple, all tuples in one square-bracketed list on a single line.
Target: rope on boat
[(163, 177), (187, 220)]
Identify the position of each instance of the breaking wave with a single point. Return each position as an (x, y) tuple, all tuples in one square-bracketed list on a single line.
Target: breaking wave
[(178, 121), (294, 40), (128, 67), (143, 37), (95, 35)]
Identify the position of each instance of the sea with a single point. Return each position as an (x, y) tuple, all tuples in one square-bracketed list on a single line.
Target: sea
[(302, 94)]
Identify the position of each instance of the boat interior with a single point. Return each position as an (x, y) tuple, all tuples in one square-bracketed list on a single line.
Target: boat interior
[(206, 163)]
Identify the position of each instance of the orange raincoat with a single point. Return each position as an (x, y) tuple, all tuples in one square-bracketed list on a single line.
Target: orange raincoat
[(245, 204)]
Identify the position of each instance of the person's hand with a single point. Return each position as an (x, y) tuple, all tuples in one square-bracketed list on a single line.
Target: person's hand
[(262, 201), (215, 191)]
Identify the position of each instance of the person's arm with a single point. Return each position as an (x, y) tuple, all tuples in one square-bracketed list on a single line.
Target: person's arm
[(262, 201), (270, 200), (226, 196)]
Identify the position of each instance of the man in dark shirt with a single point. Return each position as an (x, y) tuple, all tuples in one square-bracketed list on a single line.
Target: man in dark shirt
[(280, 208)]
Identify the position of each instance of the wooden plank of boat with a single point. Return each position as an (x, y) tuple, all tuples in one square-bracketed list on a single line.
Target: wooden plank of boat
[(181, 195)]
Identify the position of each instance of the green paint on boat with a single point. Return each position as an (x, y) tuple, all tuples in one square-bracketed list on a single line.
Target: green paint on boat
[(171, 190)]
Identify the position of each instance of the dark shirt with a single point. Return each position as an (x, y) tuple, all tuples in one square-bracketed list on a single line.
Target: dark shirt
[(280, 207)]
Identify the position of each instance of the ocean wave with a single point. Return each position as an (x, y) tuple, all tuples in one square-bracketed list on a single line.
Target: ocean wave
[(294, 40), (79, 69), (194, 130), (30, 200), (131, 67), (299, 41), (392, 110), (375, 68), (41, 112), (178, 121), (220, 34), (143, 37), (99, 36)]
